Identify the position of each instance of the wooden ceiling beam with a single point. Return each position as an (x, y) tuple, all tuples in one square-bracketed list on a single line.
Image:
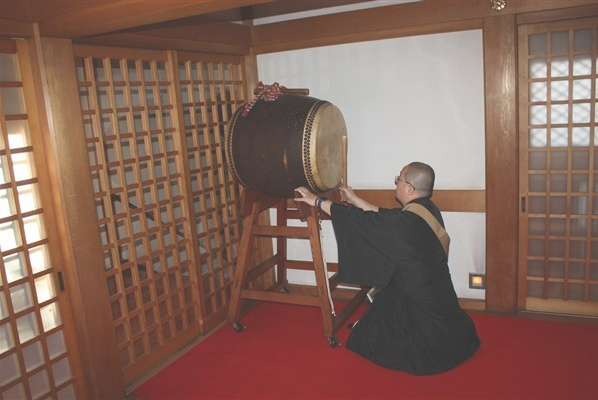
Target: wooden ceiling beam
[(390, 21), (222, 37), (12, 28), (117, 15), (145, 41), (217, 32)]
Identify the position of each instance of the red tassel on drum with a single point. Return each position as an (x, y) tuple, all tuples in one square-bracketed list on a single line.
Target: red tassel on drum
[(266, 92)]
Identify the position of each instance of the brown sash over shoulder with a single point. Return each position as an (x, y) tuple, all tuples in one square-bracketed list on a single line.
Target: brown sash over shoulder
[(440, 232)]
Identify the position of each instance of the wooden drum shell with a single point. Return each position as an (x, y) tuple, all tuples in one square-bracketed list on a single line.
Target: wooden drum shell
[(293, 141)]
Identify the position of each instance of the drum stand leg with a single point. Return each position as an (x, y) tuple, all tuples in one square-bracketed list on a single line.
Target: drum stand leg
[(254, 203)]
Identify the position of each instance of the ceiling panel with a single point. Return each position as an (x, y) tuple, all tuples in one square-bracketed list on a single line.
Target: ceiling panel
[(82, 18)]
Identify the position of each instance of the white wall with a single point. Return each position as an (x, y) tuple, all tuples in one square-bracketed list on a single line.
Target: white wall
[(418, 98)]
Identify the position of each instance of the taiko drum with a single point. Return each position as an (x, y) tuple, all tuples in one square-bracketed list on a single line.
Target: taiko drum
[(292, 141)]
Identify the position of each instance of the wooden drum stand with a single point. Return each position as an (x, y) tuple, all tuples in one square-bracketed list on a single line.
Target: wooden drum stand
[(255, 202)]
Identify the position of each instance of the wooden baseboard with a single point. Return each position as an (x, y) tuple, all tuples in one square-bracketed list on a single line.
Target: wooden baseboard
[(346, 294), (560, 307), (473, 304)]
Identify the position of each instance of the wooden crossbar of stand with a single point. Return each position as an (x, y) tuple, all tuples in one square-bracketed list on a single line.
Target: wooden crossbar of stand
[(255, 202)]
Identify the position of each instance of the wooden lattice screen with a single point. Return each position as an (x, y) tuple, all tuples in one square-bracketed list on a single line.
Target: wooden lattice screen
[(210, 92), (167, 209), (35, 350), (559, 184)]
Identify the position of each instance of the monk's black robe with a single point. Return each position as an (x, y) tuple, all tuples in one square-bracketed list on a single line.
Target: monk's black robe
[(415, 323)]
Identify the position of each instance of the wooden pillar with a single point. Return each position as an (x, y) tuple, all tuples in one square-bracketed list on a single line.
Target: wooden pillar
[(502, 172), (85, 282)]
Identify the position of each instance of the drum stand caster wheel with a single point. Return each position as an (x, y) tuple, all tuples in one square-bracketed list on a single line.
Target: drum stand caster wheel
[(333, 341), (237, 326)]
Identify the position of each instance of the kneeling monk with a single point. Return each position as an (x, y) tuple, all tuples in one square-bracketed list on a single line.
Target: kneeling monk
[(415, 323)]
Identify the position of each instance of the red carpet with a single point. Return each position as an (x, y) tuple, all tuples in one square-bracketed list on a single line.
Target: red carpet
[(282, 354)]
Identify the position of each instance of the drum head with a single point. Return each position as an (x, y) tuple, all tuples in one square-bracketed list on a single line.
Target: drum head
[(323, 164)]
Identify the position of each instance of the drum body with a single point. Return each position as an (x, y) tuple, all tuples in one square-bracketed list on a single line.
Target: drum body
[(283, 144)]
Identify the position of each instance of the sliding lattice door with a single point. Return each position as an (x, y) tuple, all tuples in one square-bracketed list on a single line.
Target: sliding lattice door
[(211, 90), (559, 154), (167, 209), (36, 354)]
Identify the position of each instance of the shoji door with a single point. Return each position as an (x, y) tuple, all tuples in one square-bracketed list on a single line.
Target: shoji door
[(36, 354), (558, 260), (167, 209)]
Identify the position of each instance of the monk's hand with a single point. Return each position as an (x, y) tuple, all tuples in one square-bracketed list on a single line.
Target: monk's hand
[(347, 194), (306, 196)]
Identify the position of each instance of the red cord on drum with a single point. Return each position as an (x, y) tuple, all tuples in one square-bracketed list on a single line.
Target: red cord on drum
[(266, 92)]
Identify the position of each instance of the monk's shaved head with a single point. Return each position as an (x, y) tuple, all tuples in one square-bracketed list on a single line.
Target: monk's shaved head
[(421, 176)]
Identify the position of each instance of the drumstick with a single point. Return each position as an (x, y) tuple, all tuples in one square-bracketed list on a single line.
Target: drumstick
[(345, 181)]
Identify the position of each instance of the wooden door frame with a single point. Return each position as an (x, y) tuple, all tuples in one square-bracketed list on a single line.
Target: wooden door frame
[(502, 171)]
